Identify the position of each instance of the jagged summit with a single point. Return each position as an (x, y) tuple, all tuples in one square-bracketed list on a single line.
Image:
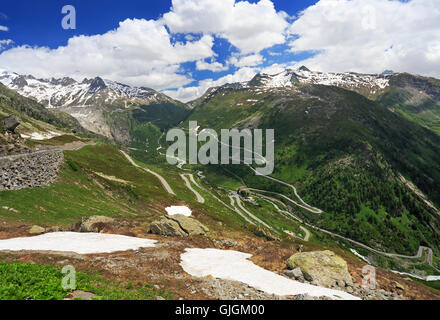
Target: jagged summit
[(303, 68), (96, 85)]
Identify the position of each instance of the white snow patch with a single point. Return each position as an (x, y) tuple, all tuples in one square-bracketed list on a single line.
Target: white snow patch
[(41, 136), (433, 278), (235, 266), (346, 79), (427, 278), (282, 79), (82, 243), (359, 255), (183, 210)]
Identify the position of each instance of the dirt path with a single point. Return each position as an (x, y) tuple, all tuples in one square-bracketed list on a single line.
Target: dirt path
[(161, 179)]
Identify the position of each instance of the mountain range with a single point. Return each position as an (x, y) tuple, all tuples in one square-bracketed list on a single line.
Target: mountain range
[(104, 107), (364, 148)]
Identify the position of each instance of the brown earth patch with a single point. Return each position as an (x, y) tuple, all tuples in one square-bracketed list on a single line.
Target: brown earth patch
[(160, 266)]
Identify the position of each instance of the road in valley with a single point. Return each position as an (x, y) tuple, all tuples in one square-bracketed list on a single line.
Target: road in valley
[(161, 179), (200, 199)]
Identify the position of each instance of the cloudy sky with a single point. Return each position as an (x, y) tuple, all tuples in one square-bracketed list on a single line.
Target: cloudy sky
[(183, 47)]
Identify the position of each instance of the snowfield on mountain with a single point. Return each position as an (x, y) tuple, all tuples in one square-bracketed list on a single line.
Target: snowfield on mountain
[(234, 265), (174, 210), (81, 243)]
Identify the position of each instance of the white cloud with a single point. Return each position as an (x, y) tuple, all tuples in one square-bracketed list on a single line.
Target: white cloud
[(242, 74), (211, 66), (247, 61), (4, 28), (191, 93), (251, 27), (138, 52), (370, 36), (276, 68), (5, 43)]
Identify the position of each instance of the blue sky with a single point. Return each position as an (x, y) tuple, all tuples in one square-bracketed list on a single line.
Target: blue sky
[(182, 47), (38, 22)]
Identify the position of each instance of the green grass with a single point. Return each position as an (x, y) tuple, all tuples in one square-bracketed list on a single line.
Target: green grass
[(25, 281), (265, 211), (80, 192), (55, 141), (343, 152)]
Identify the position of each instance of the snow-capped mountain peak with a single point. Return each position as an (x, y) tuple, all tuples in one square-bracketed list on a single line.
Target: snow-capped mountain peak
[(303, 75), (369, 84), (67, 92)]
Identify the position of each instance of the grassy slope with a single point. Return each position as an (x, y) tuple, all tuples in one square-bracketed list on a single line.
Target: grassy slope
[(80, 192), (416, 98), (25, 281), (326, 137)]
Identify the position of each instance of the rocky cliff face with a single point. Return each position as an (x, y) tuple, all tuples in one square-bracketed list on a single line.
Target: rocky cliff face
[(30, 170)]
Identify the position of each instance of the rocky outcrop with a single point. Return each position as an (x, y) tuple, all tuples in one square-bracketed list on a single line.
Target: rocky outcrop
[(30, 170), (167, 227), (81, 295), (178, 226), (37, 230), (95, 223), (323, 268), (11, 123)]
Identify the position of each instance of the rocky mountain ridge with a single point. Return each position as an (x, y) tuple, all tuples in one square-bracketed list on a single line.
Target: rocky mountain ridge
[(104, 107), (369, 85), (65, 92)]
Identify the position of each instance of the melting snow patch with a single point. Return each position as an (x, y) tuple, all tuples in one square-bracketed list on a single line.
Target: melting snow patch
[(82, 243), (41, 136), (235, 266), (427, 278), (178, 210), (359, 255)]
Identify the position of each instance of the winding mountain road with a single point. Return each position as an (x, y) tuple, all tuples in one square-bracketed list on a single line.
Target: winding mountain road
[(356, 243), (240, 205), (232, 198), (315, 211), (200, 199), (161, 179), (303, 204)]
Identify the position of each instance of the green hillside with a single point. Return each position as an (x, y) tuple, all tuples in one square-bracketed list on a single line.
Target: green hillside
[(346, 155), (416, 98)]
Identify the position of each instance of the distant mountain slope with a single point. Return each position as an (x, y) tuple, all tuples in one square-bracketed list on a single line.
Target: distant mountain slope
[(35, 115), (369, 85), (102, 106), (415, 97), (373, 172)]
